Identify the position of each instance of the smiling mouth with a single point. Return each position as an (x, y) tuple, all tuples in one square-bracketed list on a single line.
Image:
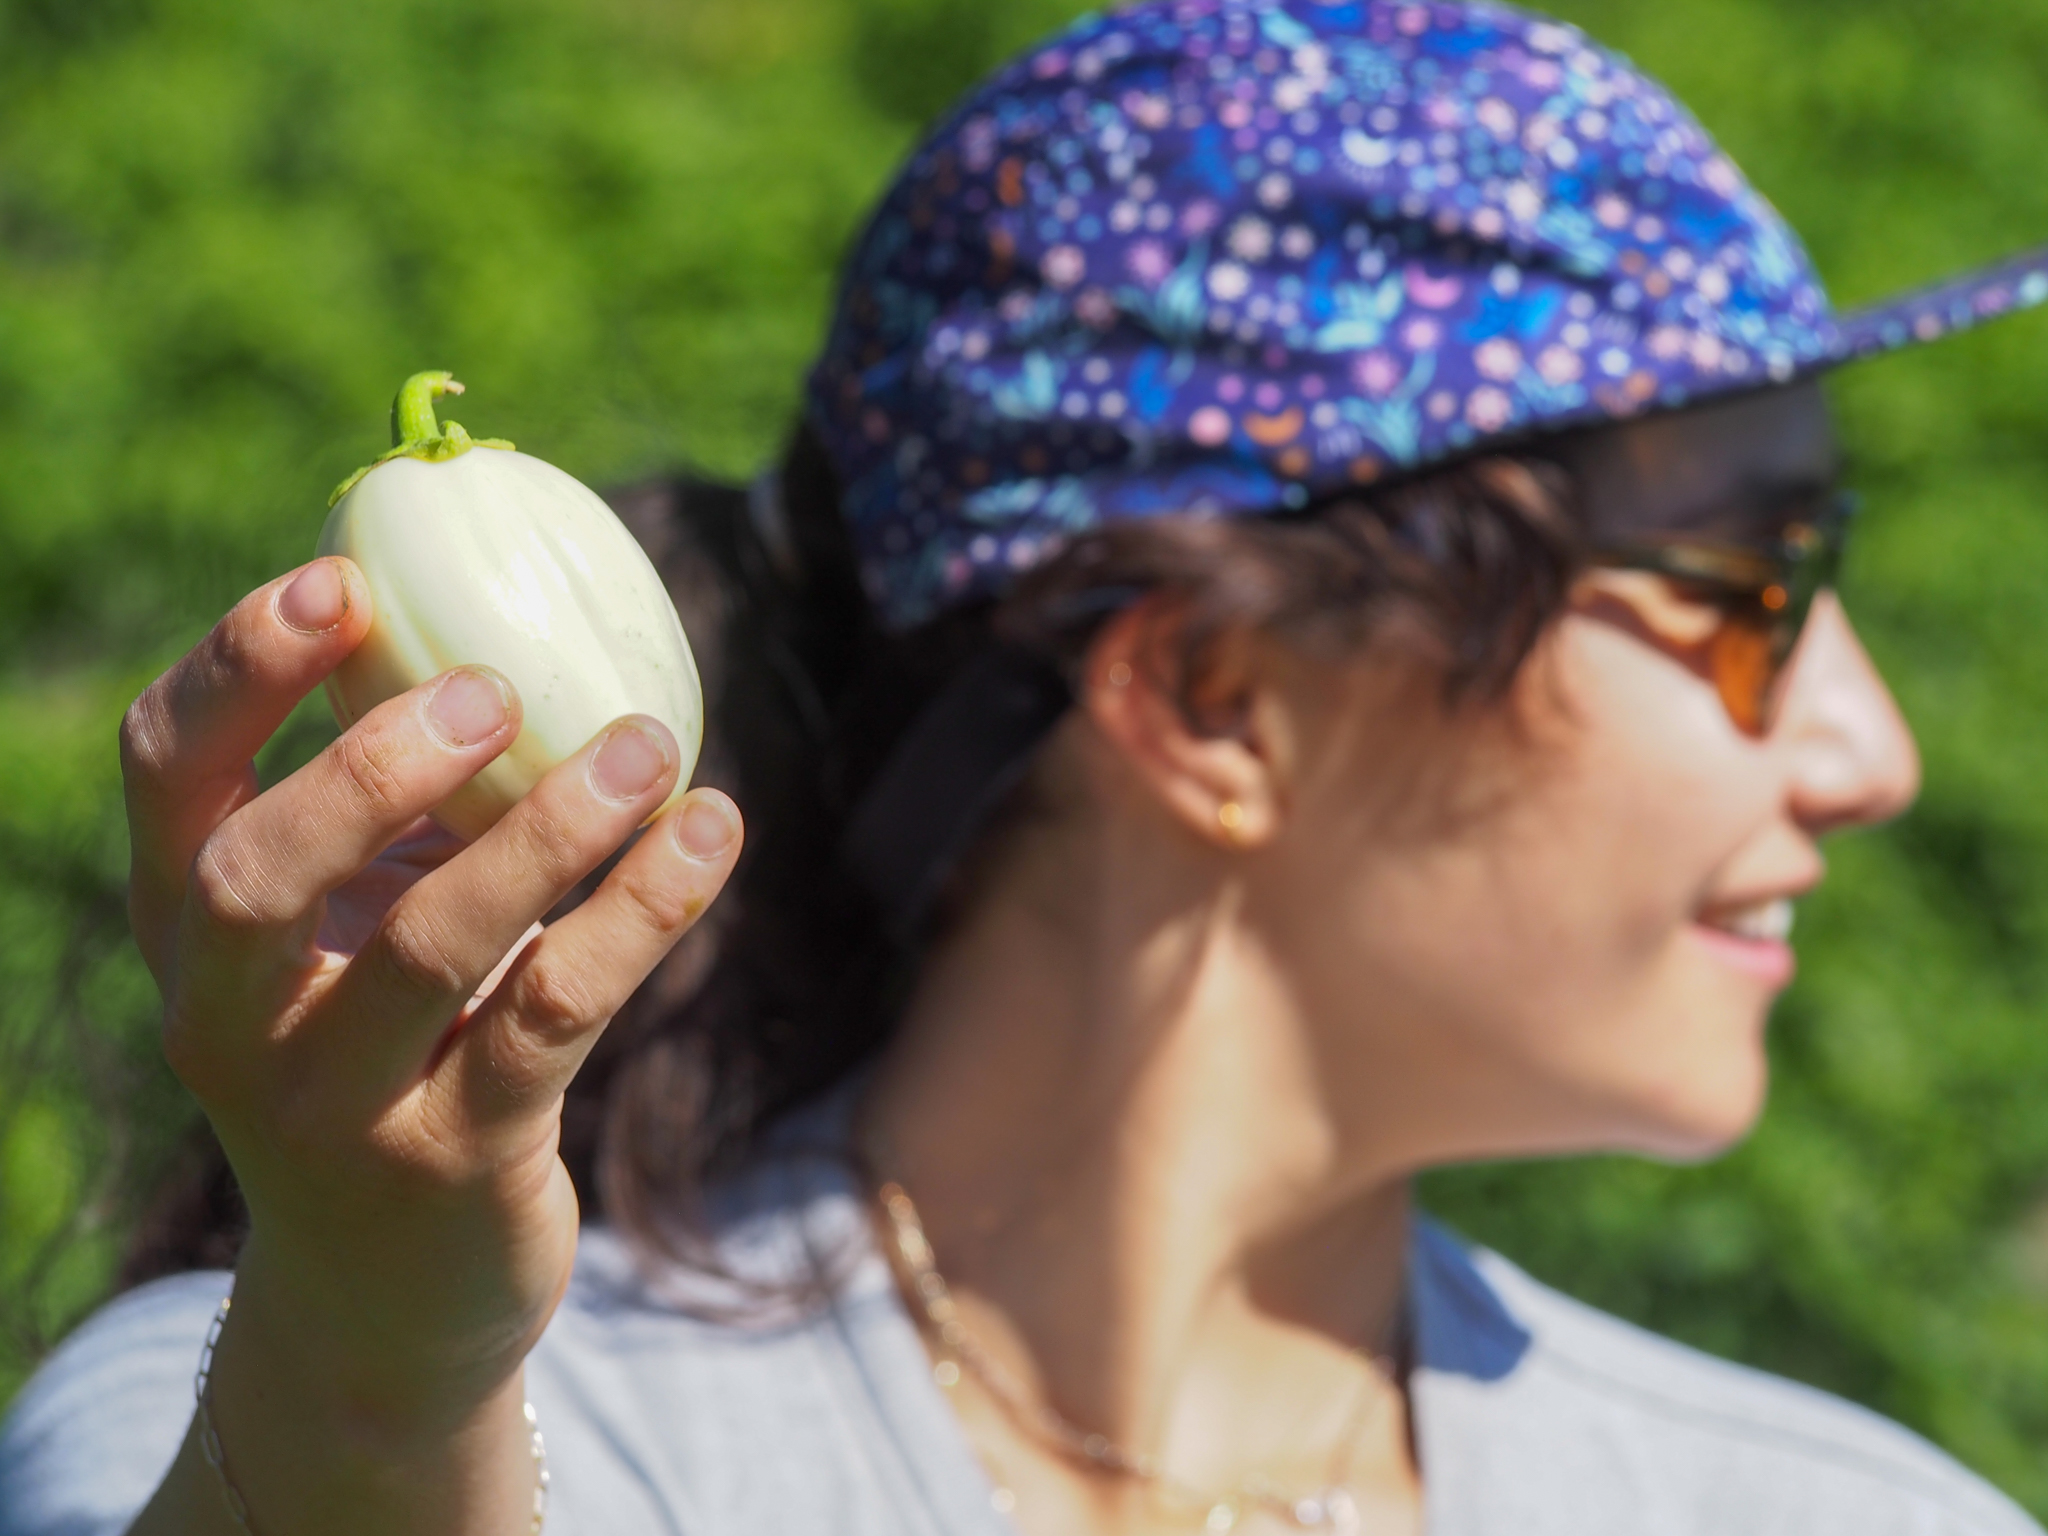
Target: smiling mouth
[(1760, 922)]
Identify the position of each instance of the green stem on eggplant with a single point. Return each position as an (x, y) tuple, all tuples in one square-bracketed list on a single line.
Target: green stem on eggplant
[(416, 434)]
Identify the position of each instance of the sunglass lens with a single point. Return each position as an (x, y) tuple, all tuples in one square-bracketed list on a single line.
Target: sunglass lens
[(1755, 646), (1745, 662)]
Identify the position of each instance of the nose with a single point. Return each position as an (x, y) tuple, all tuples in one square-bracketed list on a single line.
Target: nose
[(1853, 755)]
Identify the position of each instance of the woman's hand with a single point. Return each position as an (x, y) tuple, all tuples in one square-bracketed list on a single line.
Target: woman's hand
[(381, 1033)]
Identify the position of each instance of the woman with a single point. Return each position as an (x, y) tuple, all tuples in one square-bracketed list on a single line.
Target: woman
[(1294, 646)]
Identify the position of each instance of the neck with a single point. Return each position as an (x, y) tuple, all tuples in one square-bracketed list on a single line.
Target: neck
[(1116, 1143)]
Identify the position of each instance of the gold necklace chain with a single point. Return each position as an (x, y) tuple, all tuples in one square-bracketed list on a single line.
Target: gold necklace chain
[(1331, 1509)]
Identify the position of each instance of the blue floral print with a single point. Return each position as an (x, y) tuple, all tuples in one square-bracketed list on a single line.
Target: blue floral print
[(1220, 257)]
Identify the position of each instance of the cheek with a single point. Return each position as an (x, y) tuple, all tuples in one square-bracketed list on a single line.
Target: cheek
[(1538, 946), (1636, 791)]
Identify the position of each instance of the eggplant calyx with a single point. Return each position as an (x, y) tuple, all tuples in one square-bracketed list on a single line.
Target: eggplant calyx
[(415, 434)]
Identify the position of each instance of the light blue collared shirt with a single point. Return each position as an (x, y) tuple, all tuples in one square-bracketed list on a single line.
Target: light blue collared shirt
[(1534, 1415)]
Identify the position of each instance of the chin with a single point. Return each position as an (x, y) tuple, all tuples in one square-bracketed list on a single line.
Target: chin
[(1695, 1081), (1706, 1113)]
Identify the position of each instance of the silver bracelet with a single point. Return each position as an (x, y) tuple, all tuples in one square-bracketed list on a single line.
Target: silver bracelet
[(238, 1507)]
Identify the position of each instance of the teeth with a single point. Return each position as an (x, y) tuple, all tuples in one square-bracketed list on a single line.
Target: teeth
[(1764, 920)]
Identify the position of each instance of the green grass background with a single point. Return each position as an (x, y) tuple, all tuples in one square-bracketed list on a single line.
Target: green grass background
[(228, 227)]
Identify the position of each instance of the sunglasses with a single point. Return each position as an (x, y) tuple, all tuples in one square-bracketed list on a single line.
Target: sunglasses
[(1765, 594)]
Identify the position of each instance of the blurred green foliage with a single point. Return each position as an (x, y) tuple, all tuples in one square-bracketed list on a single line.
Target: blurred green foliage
[(228, 227)]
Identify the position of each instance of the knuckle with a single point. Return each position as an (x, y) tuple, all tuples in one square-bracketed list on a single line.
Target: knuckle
[(233, 652), (429, 1150), (368, 764), (554, 1004), (665, 906), (555, 842), (414, 957), (146, 736), (220, 891)]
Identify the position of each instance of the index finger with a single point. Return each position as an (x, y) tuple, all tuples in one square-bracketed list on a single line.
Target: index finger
[(188, 743)]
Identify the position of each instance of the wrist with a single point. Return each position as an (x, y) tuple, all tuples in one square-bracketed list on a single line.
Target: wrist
[(412, 1339), (377, 1375), (281, 1451)]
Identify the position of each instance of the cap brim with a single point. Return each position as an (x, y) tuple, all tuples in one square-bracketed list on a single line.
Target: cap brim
[(1941, 309)]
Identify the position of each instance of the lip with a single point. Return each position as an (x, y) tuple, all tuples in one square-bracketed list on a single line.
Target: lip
[(1770, 961)]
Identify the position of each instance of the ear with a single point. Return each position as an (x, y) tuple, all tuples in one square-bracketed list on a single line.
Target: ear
[(1208, 737)]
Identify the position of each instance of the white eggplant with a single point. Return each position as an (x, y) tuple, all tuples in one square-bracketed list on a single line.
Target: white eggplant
[(476, 553)]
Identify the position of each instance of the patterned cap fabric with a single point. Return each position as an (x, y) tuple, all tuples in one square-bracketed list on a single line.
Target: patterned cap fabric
[(1220, 257)]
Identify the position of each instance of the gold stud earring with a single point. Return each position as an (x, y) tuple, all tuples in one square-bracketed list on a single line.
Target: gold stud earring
[(1230, 817)]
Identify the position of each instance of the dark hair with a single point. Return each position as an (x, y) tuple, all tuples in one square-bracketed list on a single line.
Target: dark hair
[(793, 980)]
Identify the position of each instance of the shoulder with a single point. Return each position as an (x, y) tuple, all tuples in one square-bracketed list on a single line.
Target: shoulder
[(1537, 1392), (90, 1436)]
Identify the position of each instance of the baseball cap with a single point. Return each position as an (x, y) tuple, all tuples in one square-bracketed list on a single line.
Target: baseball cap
[(1227, 257)]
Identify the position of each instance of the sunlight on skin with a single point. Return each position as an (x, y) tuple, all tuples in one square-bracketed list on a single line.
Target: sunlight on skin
[(1163, 1084)]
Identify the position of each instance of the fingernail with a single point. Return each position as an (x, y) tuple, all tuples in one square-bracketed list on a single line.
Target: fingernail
[(469, 706), (317, 599), (628, 760), (706, 828)]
